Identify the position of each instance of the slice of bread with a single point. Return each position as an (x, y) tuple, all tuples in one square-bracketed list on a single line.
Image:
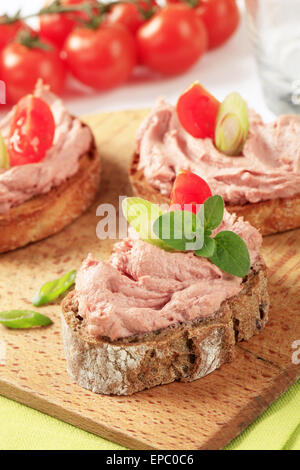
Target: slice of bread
[(272, 216), (48, 213), (183, 352)]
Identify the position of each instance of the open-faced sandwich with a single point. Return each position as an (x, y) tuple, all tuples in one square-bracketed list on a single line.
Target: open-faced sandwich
[(49, 169), (172, 301), (254, 166)]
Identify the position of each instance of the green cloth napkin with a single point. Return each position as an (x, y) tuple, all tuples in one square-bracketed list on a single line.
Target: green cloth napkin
[(24, 428)]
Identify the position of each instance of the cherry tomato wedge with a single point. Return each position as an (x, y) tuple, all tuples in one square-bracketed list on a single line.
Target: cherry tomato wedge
[(197, 111), (32, 131), (189, 188)]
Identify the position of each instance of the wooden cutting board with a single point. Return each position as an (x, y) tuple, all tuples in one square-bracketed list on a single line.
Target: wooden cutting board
[(205, 414)]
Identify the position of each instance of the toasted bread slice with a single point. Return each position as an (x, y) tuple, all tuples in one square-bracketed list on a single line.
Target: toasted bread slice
[(47, 214), (183, 352), (272, 216)]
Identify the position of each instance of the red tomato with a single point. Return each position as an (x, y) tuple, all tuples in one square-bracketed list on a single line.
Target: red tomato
[(101, 58), (8, 32), (22, 66), (172, 41), (32, 131), (129, 15), (197, 111), (189, 189), (221, 18), (57, 27)]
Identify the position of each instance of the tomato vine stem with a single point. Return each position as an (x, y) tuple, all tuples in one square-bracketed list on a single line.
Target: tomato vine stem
[(95, 11)]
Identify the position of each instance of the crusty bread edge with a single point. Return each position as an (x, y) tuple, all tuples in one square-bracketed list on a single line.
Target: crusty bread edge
[(272, 216), (49, 213), (183, 352)]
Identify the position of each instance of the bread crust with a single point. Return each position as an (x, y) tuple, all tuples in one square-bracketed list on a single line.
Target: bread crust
[(183, 352), (48, 213), (272, 216)]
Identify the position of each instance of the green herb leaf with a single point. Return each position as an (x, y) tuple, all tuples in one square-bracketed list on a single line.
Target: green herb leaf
[(4, 157), (208, 248), (141, 214), (231, 254), (213, 212), (184, 231), (179, 230), (232, 125), (21, 319), (54, 289)]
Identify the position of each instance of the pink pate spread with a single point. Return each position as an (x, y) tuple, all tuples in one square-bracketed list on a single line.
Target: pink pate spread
[(269, 167), (21, 183), (143, 288)]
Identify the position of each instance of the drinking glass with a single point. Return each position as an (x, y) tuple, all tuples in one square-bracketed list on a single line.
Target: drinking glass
[(274, 27)]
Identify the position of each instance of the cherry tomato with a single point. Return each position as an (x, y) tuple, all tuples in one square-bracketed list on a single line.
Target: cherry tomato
[(172, 41), (221, 18), (9, 31), (22, 66), (189, 189), (101, 58), (32, 131), (57, 27), (197, 111), (129, 14)]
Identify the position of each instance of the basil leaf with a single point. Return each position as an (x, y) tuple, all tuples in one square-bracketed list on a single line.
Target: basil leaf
[(178, 230), (141, 214), (213, 212), (231, 254), (208, 248), (54, 289), (20, 319)]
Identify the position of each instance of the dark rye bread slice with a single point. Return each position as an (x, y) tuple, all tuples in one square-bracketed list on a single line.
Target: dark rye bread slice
[(272, 216), (183, 352), (47, 214)]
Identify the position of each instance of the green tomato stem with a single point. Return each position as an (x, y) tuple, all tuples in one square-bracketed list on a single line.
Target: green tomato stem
[(95, 19)]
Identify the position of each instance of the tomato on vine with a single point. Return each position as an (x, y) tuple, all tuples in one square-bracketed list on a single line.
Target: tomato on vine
[(8, 31), (101, 58), (221, 18), (26, 60), (56, 27), (173, 40), (131, 15)]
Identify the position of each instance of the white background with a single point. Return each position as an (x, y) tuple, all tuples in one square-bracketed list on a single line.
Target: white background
[(229, 68)]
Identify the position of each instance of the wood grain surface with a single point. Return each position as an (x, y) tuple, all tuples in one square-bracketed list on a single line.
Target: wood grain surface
[(205, 414)]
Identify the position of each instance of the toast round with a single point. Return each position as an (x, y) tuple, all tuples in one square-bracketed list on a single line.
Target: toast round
[(48, 213), (183, 352), (272, 216)]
